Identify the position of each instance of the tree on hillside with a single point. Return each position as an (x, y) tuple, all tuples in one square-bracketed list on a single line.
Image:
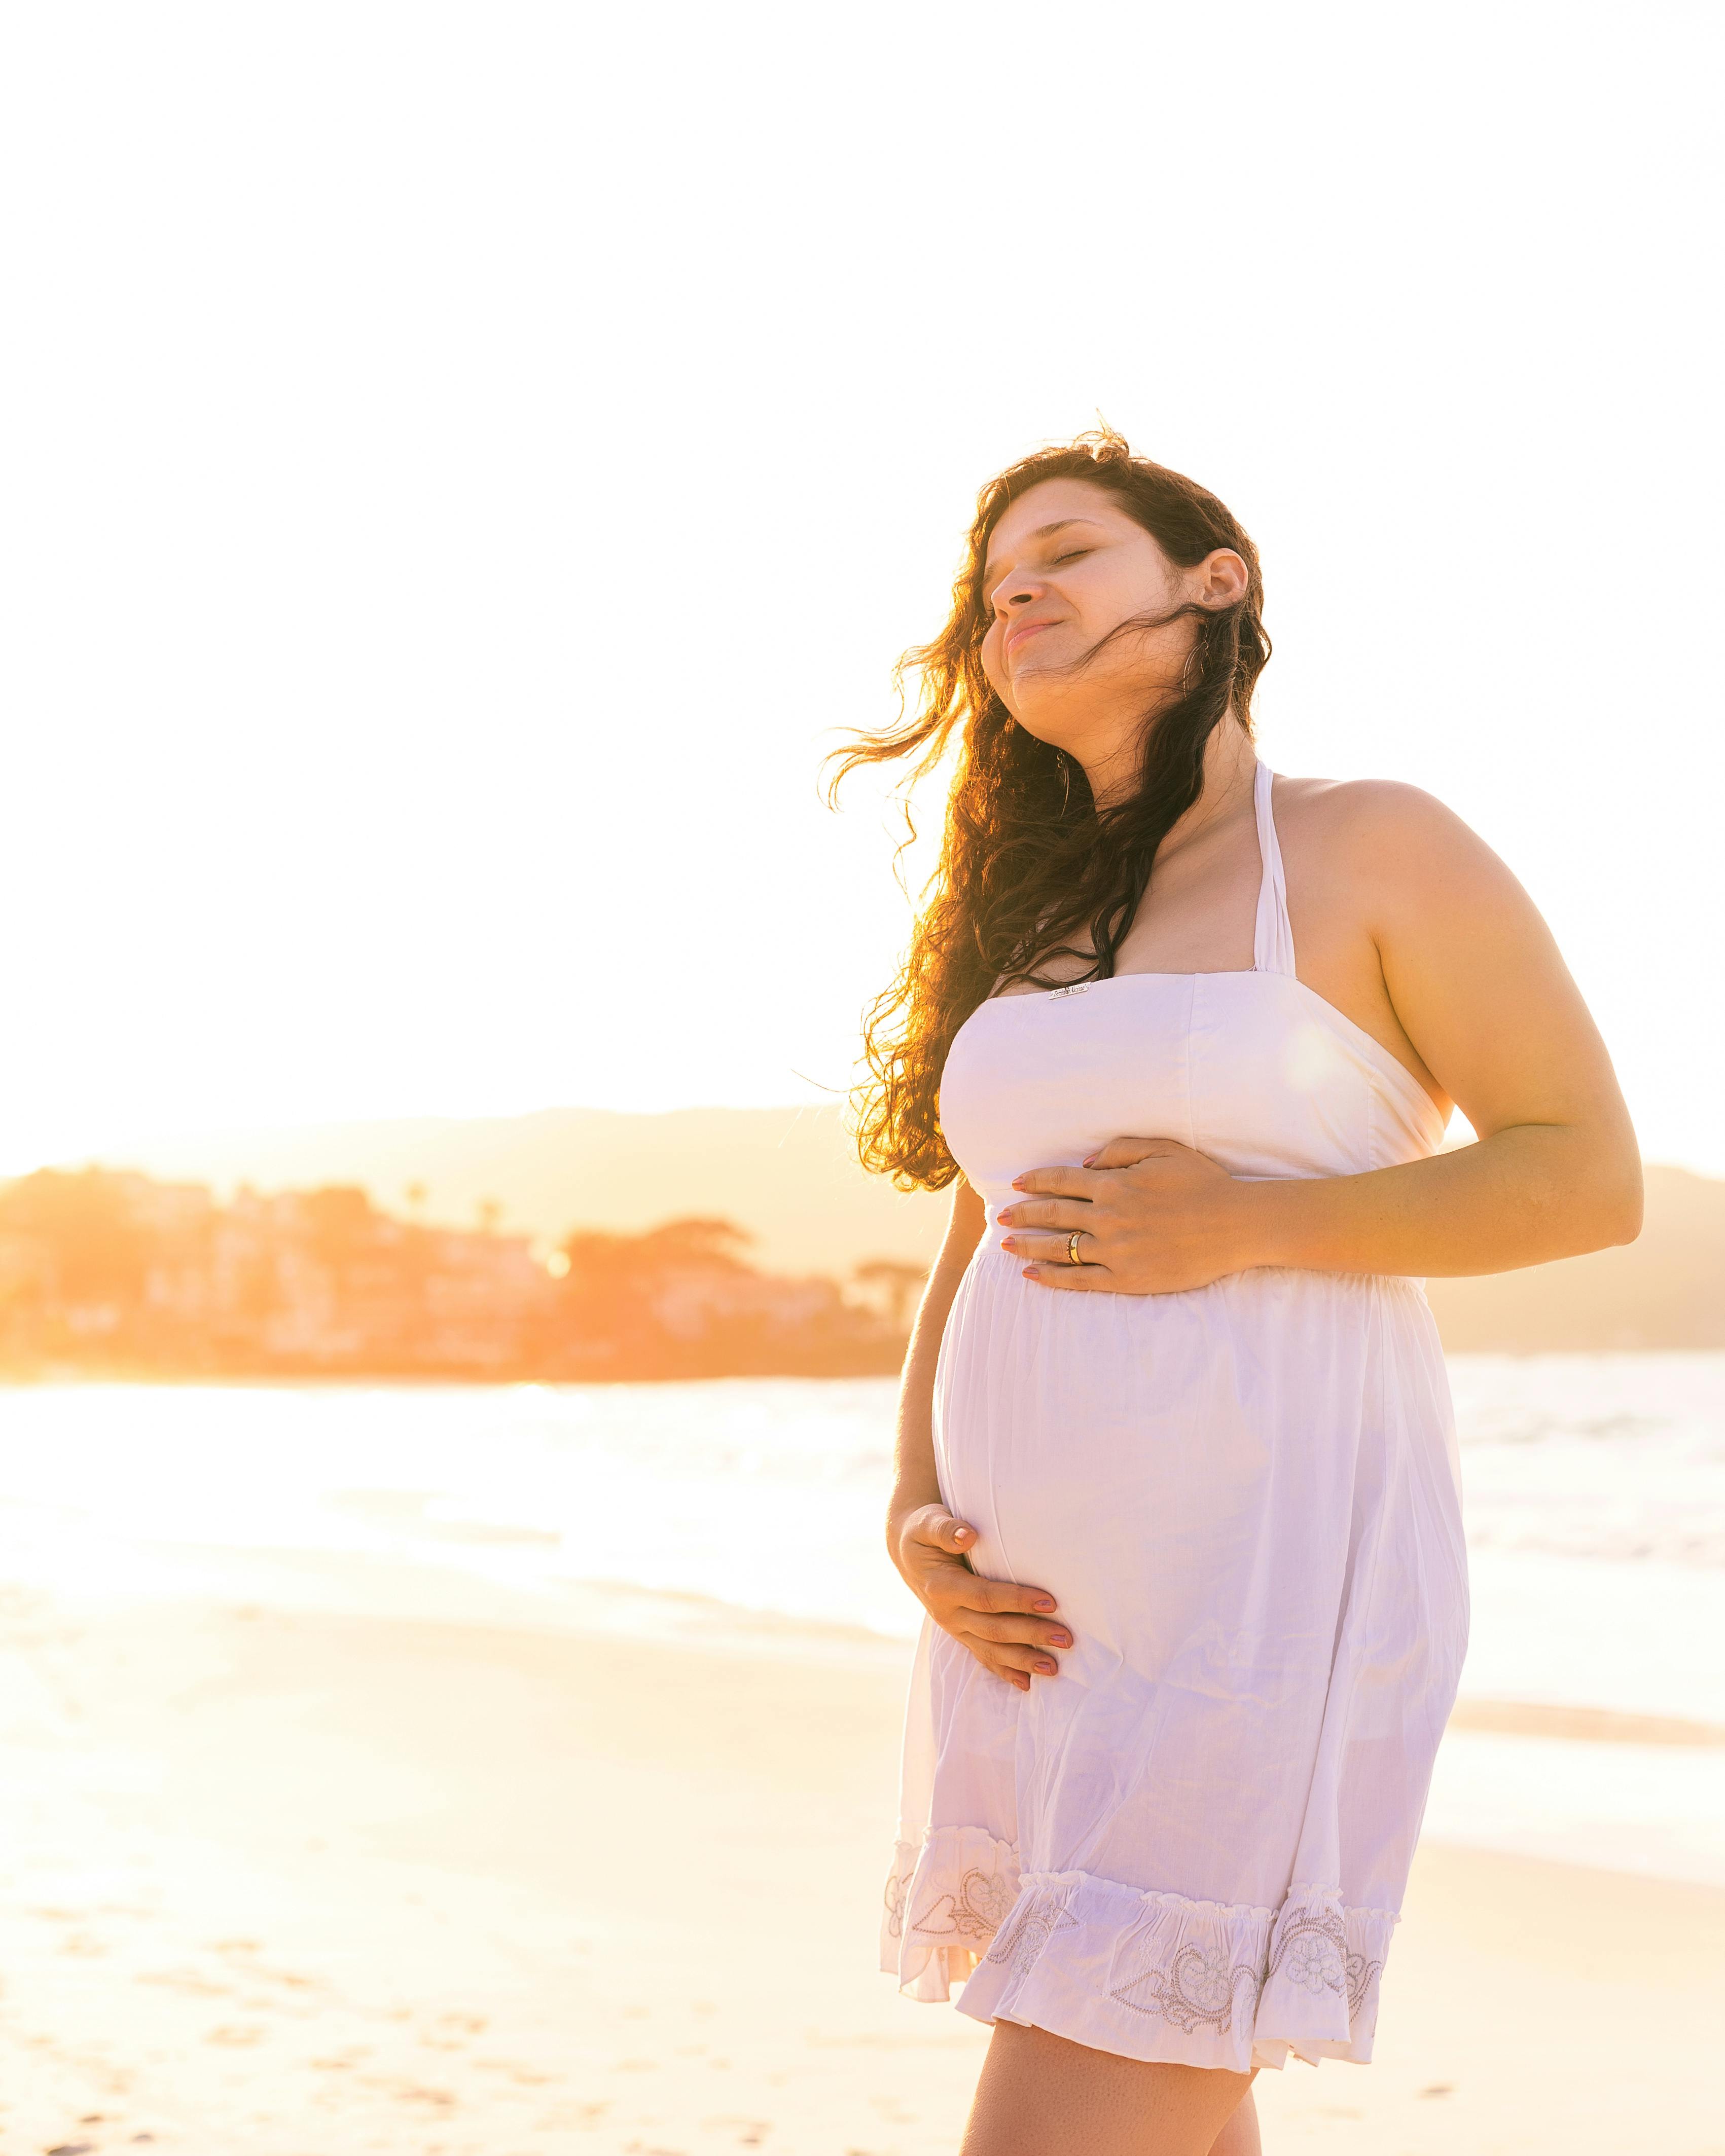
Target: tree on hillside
[(892, 1286), (602, 1259)]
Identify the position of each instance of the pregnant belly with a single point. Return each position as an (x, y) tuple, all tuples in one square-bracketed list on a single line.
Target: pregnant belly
[(1165, 1463)]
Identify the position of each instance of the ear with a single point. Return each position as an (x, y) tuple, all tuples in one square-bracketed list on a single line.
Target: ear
[(1222, 578)]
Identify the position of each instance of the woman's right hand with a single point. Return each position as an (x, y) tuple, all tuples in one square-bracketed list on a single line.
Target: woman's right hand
[(1008, 1629)]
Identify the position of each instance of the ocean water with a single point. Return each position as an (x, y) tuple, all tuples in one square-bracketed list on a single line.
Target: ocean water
[(1594, 1490)]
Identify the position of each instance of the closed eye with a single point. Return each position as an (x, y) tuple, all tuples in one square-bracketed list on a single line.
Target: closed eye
[(990, 587)]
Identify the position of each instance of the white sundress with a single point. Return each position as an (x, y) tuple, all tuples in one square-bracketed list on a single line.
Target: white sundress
[(1193, 1843)]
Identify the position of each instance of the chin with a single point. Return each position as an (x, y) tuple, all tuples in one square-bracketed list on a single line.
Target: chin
[(1052, 735)]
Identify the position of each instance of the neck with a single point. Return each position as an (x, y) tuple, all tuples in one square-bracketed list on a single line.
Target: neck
[(1230, 762)]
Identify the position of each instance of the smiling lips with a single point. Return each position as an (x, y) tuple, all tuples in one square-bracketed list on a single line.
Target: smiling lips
[(1023, 629)]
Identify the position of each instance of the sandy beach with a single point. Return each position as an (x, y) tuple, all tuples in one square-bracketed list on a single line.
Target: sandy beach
[(309, 1882)]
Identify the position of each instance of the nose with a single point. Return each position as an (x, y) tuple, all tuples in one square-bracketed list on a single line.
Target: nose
[(1014, 591)]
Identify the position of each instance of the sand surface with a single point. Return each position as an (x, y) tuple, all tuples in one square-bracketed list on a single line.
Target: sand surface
[(307, 1884)]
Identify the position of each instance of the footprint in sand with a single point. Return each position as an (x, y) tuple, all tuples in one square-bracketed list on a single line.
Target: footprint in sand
[(450, 2032), (237, 2035), (566, 2117), (183, 1979), (435, 2099), (749, 2133), (244, 1951)]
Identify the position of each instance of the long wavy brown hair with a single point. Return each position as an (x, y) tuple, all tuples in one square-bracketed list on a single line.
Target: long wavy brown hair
[(1027, 861)]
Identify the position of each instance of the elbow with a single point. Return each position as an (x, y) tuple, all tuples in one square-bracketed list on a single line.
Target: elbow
[(1614, 1226), (1627, 1214), (1613, 1214)]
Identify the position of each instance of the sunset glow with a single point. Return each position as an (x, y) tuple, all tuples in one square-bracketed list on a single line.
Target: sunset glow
[(431, 603), (481, 1463)]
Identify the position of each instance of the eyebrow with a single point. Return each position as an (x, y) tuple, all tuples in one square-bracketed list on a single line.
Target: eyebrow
[(1043, 531)]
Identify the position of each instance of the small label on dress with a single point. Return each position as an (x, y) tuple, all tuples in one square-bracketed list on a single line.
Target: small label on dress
[(1077, 988)]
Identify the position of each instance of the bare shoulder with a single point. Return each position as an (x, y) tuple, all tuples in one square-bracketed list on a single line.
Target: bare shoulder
[(1396, 861), (1381, 830)]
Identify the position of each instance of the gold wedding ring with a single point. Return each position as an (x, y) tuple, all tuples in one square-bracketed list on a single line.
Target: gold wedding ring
[(1072, 1256)]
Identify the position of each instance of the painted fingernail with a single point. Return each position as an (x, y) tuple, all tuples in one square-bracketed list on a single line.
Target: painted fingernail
[(1058, 1640), (1048, 1669), (1090, 1160), (1042, 1602), (1018, 1182)]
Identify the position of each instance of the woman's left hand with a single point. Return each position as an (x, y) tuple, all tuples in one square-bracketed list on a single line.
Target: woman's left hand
[(1154, 1218)]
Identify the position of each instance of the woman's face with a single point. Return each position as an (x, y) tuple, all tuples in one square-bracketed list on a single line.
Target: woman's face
[(1066, 565)]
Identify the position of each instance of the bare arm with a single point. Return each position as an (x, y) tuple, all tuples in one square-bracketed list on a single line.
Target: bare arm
[(1478, 987), (914, 1482), (1009, 1628)]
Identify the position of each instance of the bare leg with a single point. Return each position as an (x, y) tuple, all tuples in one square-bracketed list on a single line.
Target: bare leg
[(1039, 2095), (1239, 2135)]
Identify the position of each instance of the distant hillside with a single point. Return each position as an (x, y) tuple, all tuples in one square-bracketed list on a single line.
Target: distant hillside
[(1665, 1291), (788, 1176)]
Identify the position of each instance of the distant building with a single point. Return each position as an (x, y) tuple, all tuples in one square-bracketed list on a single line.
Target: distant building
[(107, 1272)]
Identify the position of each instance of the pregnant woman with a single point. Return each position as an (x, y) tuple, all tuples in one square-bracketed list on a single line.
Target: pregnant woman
[(1176, 1475)]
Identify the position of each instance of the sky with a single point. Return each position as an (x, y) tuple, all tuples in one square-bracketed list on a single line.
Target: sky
[(462, 467)]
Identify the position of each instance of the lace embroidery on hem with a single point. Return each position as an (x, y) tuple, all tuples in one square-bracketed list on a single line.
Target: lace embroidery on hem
[(976, 1909), (1020, 1944), (1197, 1985), (1311, 1951), (1200, 1987)]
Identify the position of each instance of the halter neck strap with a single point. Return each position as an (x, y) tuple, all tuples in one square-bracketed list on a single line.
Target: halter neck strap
[(1273, 936)]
